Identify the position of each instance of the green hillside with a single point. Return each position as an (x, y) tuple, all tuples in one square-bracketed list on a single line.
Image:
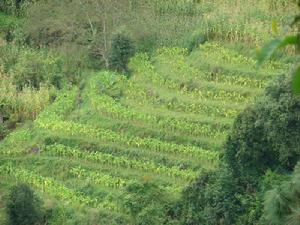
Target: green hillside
[(144, 112), (167, 123)]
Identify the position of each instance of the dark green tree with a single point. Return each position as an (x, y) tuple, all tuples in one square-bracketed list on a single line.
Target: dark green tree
[(282, 204), (213, 199), (23, 207), (122, 49), (146, 203), (266, 135)]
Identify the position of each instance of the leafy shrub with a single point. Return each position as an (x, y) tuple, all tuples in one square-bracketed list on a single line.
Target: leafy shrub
[(34, 68), (19, 106), (212, 199), (15, 7), (281, 204), (9, 55), (146, 203), (264, 138), (122, 48), (190, 208), (23, 206), (151, 215), (31, 68), (266, 135), (8, 6), (7, 26)]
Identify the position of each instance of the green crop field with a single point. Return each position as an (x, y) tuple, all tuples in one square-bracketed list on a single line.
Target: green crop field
[(167, 124), (81, 132)]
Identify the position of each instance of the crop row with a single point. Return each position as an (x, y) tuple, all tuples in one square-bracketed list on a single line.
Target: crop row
[(98, 178), (114, 109), (197, 90), (203, 108), (110, 181), (72, 128), (118, 161), (234, 80), (217, 109), (15, 142), (63, 104), (220, 55), (179, 65), (107, 105), (53, 188), (214, 52), (144, 72)]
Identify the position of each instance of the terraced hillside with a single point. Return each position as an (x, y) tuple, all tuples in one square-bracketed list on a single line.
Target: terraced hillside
[(166, 123)]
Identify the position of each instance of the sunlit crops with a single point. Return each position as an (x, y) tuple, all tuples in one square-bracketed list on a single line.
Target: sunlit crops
[(167, 96), (52, 187)]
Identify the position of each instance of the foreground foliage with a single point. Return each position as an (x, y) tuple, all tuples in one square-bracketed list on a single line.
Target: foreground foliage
[(264, 138), (23, 206)]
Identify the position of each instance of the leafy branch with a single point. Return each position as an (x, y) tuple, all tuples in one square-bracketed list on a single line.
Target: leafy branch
[(279, 43)]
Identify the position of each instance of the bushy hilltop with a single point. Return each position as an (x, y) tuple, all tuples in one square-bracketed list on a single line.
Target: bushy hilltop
[(165, 124)]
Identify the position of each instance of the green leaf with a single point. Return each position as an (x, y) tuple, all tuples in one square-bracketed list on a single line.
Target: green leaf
[(296, 81), (269, 49)]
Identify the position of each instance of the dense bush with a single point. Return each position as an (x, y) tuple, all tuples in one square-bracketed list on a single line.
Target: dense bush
[(122, 48), (265, 138), (16, 7), (23, 206), (10, 6), (146, 203), (31, 68), (34, 68), (7, 26), (282, 203), (212, 199), (266, 135), (17, 106), (59, 214)]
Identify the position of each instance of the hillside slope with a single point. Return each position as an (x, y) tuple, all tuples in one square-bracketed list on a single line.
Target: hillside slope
[(164, 124)]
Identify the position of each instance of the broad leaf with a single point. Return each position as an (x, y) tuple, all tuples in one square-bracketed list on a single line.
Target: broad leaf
[(274, 45), (267, 51), (289, 40), (296, 81)]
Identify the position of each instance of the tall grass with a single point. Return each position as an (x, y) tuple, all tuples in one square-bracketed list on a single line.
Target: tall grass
[(247, 21), (25, 104)]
